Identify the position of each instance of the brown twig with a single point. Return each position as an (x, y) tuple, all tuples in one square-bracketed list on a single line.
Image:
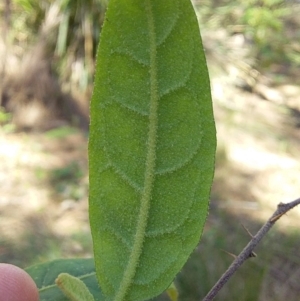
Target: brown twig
[(248, 250)]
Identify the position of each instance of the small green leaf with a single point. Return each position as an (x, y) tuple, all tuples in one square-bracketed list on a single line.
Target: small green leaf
[(172, 292), (151, 148), (73, 288), (45, 275)]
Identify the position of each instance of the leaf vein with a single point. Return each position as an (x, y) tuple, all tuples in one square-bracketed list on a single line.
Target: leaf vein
[(180, 84), (171, 28), (130, 108), (125, 178), (183, 164), (137, 248), (131, 56), (118, 236)]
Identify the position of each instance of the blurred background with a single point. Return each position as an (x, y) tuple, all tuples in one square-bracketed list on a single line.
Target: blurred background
[(47, 57)]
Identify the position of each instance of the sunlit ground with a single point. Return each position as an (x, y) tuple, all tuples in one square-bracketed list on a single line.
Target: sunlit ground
[(44, 185)]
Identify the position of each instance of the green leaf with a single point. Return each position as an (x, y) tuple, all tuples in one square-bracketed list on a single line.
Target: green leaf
[(74, 288), (151, 147), (172, 292), (45, 275)]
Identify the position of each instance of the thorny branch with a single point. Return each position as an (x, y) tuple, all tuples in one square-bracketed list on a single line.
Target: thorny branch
[(247, 252)]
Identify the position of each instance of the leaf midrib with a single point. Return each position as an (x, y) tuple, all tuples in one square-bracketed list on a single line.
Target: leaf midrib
[(137, 249)]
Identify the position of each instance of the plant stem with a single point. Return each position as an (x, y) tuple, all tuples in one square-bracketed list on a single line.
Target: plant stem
[(248, 250)]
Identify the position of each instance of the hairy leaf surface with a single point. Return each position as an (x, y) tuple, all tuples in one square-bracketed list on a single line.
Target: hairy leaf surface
[(151, 147), (45, 275)]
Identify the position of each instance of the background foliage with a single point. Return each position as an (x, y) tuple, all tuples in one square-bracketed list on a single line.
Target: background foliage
[(72, 29), (77, 26)]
